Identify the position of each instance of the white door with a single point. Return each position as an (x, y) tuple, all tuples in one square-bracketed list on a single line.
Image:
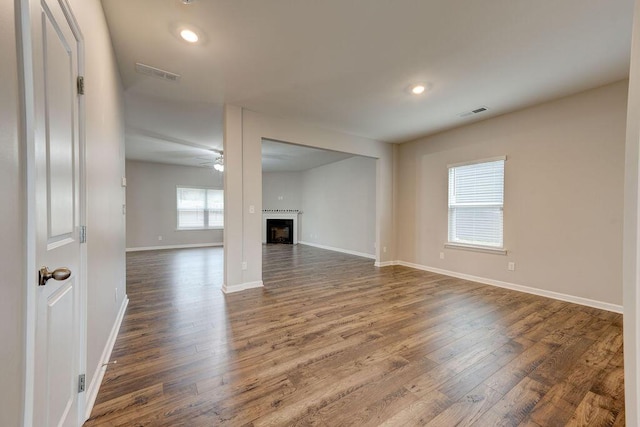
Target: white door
[(57, 192)]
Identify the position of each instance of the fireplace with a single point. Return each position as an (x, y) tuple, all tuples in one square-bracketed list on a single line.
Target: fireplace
[(291, 215), (280, 231)]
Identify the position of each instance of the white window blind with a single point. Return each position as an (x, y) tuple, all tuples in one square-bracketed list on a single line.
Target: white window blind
[(476, 196), (200, 208)]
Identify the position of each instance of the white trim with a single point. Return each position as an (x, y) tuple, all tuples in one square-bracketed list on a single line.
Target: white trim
[(473, 162), (98, 375), (473, 248), (29, 204), (529, 290), (217, 227), (84, 198), (345, 251), (241, 287), (385, 263), (157, 248)]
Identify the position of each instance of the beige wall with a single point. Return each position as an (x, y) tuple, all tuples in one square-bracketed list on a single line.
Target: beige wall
[(339, 205), (631, 291), (12, 250), (282, 190), (151, 204), (563, 195)]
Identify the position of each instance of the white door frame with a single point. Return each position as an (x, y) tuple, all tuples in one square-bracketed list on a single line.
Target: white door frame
[(28, 125)]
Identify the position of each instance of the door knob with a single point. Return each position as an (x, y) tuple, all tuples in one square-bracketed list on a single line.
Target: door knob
[(44, 275)]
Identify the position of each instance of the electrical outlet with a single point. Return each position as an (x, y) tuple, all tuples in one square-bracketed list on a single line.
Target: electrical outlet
[(441, 255), (252, 209), (511, 266), (123, 181), (244, 265), (384, 249), (159, 238), (116, 296)]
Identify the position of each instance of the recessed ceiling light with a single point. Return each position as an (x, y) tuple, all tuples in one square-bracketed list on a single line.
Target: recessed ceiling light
[(189, 36), (418, 89)]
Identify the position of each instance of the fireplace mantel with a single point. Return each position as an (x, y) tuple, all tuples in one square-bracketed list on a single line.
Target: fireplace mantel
[(280, 214)]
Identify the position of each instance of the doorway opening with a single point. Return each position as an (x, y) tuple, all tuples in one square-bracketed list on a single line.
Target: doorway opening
[(317, 197), (175, 180)]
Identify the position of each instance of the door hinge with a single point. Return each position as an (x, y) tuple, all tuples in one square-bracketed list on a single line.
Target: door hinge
[(80, 84), (83, 234), (81, 383)]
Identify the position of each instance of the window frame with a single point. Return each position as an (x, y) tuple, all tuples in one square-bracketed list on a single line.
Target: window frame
[(206, 216), (501, 250)]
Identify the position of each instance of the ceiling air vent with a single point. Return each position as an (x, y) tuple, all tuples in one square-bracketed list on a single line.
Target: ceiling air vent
[(148, 70), (472, 112)]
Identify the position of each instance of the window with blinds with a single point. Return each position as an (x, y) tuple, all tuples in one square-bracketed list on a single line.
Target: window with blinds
[(199, 208), (476, 196)]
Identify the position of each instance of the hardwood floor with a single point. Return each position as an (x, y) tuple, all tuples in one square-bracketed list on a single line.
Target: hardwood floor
[(333, 341)]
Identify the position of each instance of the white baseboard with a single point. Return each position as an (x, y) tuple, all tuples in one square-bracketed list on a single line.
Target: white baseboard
[(385, 263), (241, 287), (529, 290), (96, 380), (157, 248), (331, 248)]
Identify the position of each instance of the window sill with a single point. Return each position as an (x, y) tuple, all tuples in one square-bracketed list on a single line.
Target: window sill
[(200, 229), (484, 249)]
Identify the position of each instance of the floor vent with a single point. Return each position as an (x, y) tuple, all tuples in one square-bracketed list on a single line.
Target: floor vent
[(148, 70)]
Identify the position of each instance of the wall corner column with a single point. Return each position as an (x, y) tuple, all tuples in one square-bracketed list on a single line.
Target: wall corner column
[(242, 203), (233, 232)]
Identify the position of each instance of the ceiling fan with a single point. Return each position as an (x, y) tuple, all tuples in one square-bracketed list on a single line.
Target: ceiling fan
[(215, 163)]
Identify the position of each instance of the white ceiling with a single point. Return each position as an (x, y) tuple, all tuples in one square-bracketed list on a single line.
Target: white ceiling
[(345, 65), (163, 131)]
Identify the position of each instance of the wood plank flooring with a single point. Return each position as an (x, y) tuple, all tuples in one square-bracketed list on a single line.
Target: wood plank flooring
[(333, 341)]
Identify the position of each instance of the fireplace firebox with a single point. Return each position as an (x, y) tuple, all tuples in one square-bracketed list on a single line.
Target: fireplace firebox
[(280, 231)]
